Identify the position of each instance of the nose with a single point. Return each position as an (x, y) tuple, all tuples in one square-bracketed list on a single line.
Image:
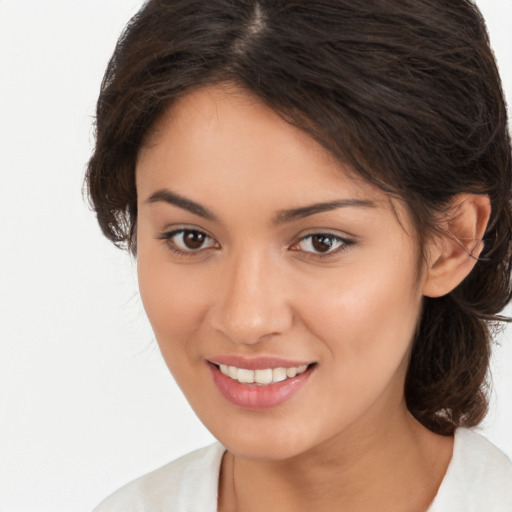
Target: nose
[(252, 303)]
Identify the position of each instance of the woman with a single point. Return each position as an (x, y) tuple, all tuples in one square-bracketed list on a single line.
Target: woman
[(318, 195)]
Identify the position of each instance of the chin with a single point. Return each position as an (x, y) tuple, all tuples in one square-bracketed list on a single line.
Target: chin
[(263, 449), (270, 441)]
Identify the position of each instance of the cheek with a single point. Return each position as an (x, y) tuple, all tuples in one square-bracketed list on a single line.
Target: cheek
[(365, 314), (173, 297)]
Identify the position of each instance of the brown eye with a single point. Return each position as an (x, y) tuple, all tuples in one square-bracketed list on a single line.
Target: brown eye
[(322, 243), (193, 239), (188, 240)]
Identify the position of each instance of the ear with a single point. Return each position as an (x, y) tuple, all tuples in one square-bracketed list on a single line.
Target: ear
[(453, 254)]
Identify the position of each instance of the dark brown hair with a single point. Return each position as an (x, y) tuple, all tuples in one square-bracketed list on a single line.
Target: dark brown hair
[(404, 91)]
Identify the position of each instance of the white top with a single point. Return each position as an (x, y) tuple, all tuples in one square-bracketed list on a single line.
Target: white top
[(478, 479)]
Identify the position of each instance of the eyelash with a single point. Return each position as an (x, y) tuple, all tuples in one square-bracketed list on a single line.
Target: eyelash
[(168, 239), (343, 243)]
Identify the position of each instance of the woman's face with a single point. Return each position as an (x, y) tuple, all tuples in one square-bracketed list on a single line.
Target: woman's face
[(260, 258)]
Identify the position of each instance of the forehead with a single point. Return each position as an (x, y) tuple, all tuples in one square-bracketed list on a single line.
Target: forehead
[(223, 134)]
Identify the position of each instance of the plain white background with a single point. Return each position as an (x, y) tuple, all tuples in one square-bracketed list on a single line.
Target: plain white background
[(86, 403)]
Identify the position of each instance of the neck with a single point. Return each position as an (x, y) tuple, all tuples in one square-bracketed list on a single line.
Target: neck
[(397, 466)]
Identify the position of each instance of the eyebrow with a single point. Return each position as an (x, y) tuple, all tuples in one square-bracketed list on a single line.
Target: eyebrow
[(306, 211), (167, 196), (282, 217)]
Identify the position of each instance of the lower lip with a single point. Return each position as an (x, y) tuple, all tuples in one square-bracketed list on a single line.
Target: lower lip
[(257, 397)]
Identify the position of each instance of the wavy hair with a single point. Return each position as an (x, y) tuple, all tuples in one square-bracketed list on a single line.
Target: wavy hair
[(404, 91)]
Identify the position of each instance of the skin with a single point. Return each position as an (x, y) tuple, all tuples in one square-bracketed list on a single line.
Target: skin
[(257, 287)]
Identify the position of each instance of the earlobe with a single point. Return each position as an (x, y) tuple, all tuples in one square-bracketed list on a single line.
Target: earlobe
[(453, 254)]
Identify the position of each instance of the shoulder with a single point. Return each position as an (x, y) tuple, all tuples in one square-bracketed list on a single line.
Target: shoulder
[(479, 477), (187, 484)]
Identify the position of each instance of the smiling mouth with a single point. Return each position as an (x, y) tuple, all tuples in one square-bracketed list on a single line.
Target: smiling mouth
[(262, 377), (259, 388)]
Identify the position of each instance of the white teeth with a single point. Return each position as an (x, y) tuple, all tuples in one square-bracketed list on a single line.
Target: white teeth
[(278, 374), (291, 372), (232, 372), (261, 377), (245, 376)]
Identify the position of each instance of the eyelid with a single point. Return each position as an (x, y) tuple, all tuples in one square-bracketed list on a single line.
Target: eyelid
[(346, 242), (342, 235), (172, 229), (170, 232)]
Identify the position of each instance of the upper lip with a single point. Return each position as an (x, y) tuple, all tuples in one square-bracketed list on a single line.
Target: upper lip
[(256, 363)]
